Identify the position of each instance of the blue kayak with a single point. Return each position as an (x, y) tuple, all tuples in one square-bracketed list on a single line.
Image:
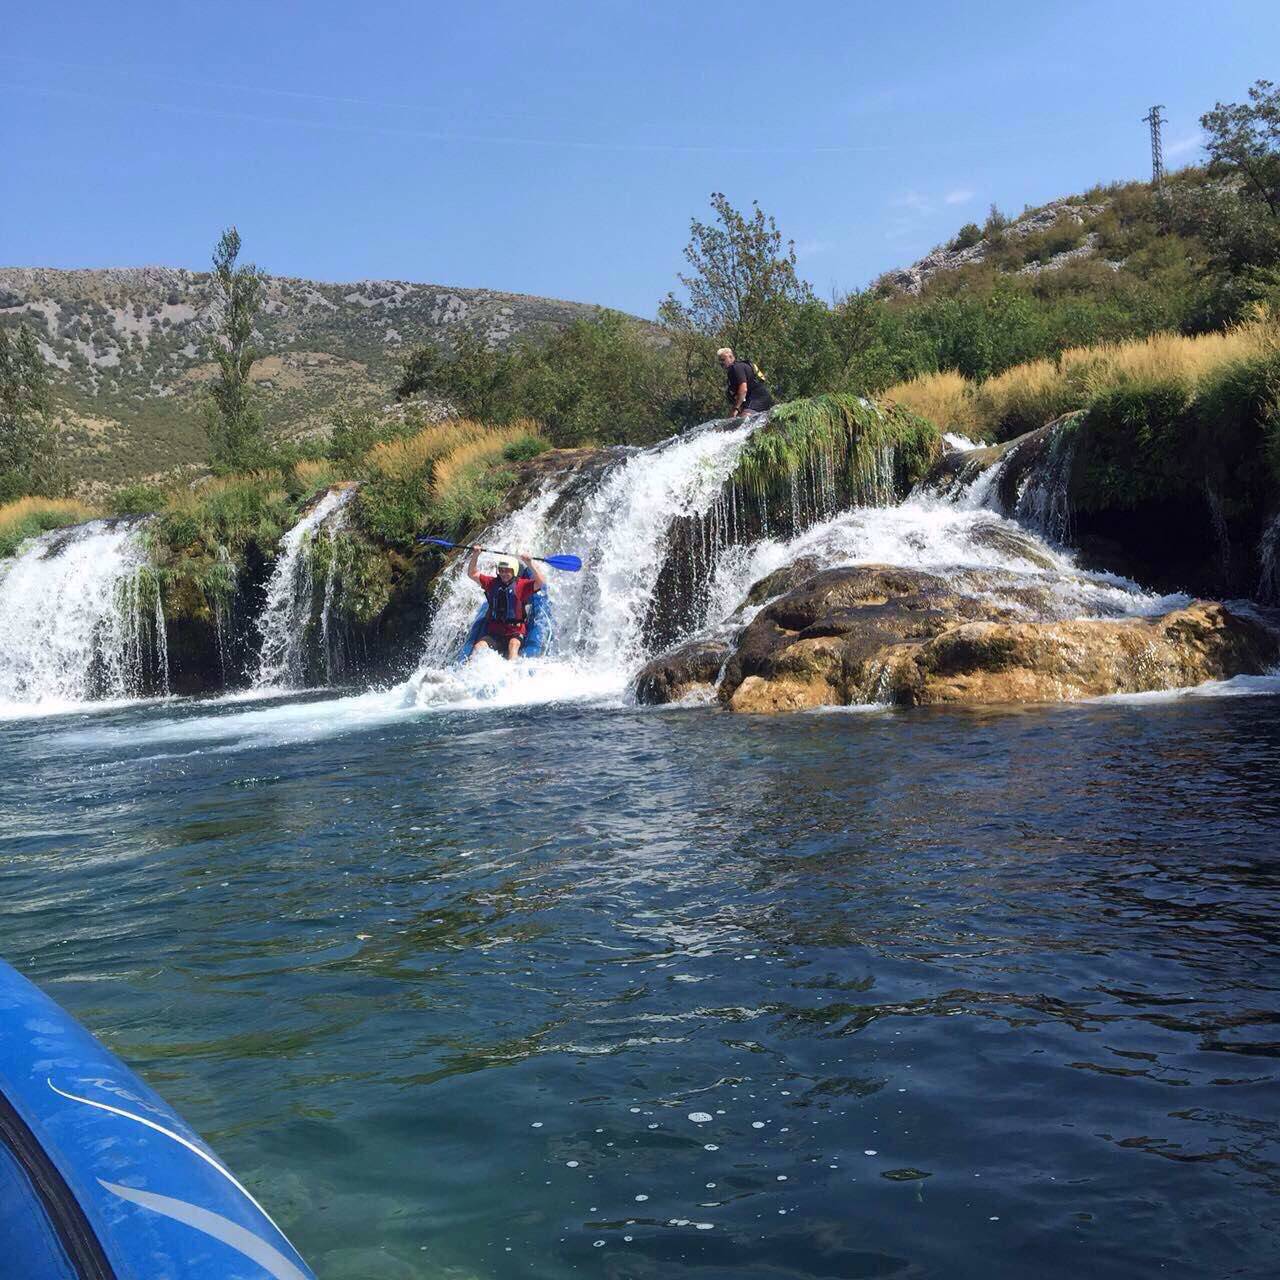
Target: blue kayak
[(537, 637), (100, 1179)]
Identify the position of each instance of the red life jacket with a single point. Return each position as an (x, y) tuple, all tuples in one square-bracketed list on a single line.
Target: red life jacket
[(505, 604)]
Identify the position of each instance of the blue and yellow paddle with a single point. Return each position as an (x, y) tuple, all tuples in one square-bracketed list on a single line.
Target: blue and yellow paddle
[(570, 564)]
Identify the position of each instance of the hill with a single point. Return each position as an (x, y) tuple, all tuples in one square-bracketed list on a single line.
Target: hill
[(127, 352), (1144, 254)]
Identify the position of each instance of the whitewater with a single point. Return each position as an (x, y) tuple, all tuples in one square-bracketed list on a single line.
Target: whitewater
[(620, 520)]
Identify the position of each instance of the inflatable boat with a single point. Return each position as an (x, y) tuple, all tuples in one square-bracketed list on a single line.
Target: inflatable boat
[(99, 1179), (537, 637)]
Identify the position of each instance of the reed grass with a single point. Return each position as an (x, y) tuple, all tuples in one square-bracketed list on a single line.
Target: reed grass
[(945, 399), (1029, 395), (24, 518), (468, 482), (399, 459)]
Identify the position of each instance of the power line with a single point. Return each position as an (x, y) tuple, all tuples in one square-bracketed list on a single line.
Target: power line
[(1154, 119)]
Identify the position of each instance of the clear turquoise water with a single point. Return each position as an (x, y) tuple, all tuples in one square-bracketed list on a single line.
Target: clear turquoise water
[(963, 994)]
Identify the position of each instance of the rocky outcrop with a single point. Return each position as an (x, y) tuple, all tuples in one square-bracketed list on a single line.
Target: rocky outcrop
[(876, 633), (911, 280)]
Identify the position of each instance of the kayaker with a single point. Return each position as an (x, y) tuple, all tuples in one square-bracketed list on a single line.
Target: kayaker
[(509, 596), (744, 385)]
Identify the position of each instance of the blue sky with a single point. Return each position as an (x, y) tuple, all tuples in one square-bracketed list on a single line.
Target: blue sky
[(561, 149)]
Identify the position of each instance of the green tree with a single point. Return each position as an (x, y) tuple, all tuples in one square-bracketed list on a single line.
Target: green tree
[(28, 463), (1244, 139), (1238, 215), (743, 290), (233, 417)]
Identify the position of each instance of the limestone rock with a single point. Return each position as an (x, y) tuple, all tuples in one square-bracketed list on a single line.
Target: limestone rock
[(871, 633)]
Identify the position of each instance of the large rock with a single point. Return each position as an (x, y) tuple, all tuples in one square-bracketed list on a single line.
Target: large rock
[(1061, 661), (823, 643), (876, 633), (683, 671)]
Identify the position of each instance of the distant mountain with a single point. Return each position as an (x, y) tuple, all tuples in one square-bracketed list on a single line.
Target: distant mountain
[(128, 352)]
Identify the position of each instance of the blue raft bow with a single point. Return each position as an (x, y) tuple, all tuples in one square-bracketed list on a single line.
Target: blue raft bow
[(99, 1178)]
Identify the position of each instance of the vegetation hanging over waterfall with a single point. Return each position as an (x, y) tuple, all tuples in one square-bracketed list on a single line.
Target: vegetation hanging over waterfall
[(864, 453)]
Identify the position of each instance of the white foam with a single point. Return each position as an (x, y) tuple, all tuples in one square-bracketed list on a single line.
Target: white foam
[(72, 627), (1237, 687)]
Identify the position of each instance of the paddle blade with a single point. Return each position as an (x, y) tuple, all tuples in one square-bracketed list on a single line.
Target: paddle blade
[(439, 542), (571, 564)]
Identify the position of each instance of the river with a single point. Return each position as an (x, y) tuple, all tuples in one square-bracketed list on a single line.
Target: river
[(577, 989)]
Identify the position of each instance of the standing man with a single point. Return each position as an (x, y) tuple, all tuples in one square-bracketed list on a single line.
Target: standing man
[(743, 385), (506, 625)]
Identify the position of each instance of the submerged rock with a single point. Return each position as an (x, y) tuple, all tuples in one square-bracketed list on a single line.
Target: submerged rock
[(877, 633)]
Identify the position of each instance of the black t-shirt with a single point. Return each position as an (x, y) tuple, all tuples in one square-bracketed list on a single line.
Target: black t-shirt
[(741, 371)]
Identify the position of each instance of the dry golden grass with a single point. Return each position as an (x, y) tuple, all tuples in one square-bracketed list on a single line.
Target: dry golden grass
[(216, 489), (1027, 396), (1164, 357), (946, 399), (1031, 394), (401, 458), (22, 509), (472, 455), (317, 473), (25, 517)]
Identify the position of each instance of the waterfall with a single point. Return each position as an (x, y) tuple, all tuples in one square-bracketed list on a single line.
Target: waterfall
[(1269, 560), (334, 526), (282, 625), (1044, 501), (669, 528), (81, 618), (620, 524)]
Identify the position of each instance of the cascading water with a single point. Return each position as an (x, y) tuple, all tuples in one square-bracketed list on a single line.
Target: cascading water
[(81, 618), (282, 625), (1044, 502), (621, 526), (1269, 560), (674, 517)]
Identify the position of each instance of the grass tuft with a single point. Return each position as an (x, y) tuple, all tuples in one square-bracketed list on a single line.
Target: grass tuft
[(26, 517)]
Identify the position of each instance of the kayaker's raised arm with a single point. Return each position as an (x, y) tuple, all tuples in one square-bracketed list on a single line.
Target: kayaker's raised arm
[(473, 565), (538, 580)]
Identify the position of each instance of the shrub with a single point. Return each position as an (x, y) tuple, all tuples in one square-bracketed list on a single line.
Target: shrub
[(228, 511), (1133, 446), (1063, 234), (26, 517), (968, 235), (139, 499)]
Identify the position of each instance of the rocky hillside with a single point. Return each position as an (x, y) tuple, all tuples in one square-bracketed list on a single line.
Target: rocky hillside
[(1050, 237), (1124, 230), (127, 349)]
